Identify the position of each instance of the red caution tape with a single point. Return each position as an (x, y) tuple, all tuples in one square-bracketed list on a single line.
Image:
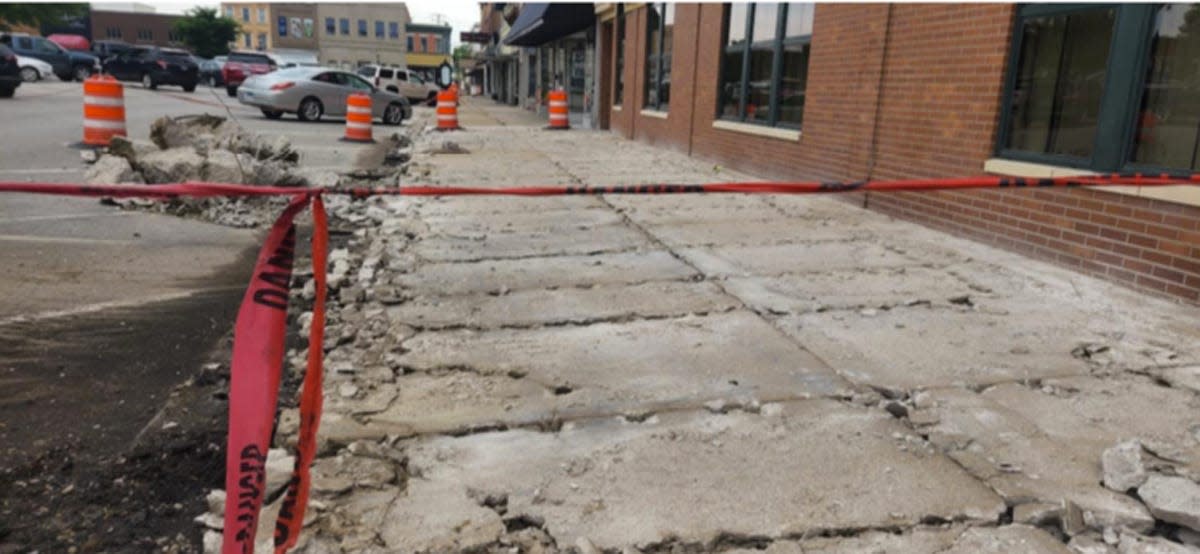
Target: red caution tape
[(254, 382), (291, 515)]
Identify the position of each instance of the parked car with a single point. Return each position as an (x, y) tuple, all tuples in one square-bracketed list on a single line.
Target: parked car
[(241, 65), (68, 65), (400, 81), (105, 49), (310, 92), (210, 71), (33, 69), (10, 72), (155, 66)]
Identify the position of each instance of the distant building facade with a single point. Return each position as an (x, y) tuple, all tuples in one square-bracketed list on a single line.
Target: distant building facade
[(269, 26), (428, 46), (151, 29), (352, 35)]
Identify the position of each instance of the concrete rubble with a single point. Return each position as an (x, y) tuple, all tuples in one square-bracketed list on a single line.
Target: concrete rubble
[(664, 374), (218, 150)]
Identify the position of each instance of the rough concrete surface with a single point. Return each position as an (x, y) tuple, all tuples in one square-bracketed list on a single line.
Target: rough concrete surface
[(721, 373)]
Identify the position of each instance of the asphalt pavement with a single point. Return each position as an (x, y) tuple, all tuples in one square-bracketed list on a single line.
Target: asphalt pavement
[(103, 310)]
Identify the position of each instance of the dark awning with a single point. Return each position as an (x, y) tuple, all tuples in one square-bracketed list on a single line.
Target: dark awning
[(541, 23)]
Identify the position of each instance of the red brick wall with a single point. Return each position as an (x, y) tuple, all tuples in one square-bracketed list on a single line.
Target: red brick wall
[(909, 91)]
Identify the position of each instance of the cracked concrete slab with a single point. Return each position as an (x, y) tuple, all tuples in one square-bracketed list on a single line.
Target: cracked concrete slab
[(1043, 443), (924, 346), (1007, 539), (732, 261), (607, 238), (762, 232), (661, 210), (480, 205), (494, 276), (564, 305), (613, 367), (813, 466), (579, 219), (847, 289)]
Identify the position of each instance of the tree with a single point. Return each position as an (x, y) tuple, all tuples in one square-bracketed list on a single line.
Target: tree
[(462, 51), (35, 15), (206, 32)]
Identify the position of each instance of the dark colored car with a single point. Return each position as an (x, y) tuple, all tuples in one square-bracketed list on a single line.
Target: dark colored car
[(68, 65), (154, 67), (241, 65), (210, 71), (105, 49), (10, 72)]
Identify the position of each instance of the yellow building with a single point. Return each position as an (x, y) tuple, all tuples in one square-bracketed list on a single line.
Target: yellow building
[(274, 26)]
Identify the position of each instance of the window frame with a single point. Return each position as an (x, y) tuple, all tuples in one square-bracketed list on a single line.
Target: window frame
[(1124, 84), (330, 26), (362, 28), (619, 34), (657, 52), (394, 30), (412, 45), (344, 26), (777, 44)]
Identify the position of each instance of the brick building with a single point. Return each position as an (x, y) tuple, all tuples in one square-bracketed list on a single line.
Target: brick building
[(134, 27), (889, 91), (428, 47)]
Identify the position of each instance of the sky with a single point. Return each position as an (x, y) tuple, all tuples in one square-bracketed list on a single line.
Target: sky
[(460, 14)]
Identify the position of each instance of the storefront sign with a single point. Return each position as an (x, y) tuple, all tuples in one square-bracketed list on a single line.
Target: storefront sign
[(477, 38)]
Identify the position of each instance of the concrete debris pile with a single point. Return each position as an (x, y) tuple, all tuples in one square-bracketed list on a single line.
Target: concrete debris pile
[(211, 149)]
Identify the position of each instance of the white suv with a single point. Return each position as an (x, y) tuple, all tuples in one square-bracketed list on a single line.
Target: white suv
[(400, 81)]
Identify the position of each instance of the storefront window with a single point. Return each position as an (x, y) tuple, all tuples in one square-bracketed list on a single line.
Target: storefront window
[(764, 63), (1168, 123), (1105, 88), (1060, 81), (660, 25)]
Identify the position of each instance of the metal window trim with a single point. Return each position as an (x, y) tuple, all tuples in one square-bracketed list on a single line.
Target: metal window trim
[(777, 64), (744, 86)]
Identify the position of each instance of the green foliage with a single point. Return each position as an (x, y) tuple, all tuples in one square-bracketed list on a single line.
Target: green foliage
[(37, 14), (206, 32), (462, 51)]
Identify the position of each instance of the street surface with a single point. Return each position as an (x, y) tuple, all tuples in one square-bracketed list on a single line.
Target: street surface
[(650, 374)]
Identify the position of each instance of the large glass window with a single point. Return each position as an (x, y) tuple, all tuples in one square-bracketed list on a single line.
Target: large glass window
[(362, 27), (393, 29), (619, 69), (1108, 87), (378, 29), (344, 25), (1168, 122), (764, 63), (330, 28), (660, 24), (1060, 80)]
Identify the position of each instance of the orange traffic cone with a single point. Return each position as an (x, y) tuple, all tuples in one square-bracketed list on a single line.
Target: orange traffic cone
[(103, 110), (358, 118)]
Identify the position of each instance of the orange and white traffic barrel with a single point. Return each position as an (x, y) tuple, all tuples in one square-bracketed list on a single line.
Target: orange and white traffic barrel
[(447, 111), (103, 110), (358, 118), (558, 110)]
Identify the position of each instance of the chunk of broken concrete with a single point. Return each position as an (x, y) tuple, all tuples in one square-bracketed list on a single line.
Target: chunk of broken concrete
[(172, 166), (1138, 544), (112, 170), (130, 149), (223, 166), (1173, 500), (1123, 466)]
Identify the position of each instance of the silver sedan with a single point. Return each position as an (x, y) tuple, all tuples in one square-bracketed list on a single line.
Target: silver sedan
[(310, 92)]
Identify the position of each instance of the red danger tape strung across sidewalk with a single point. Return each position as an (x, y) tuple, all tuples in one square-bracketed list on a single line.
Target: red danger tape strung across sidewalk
[(201, 190), (258, 346)]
